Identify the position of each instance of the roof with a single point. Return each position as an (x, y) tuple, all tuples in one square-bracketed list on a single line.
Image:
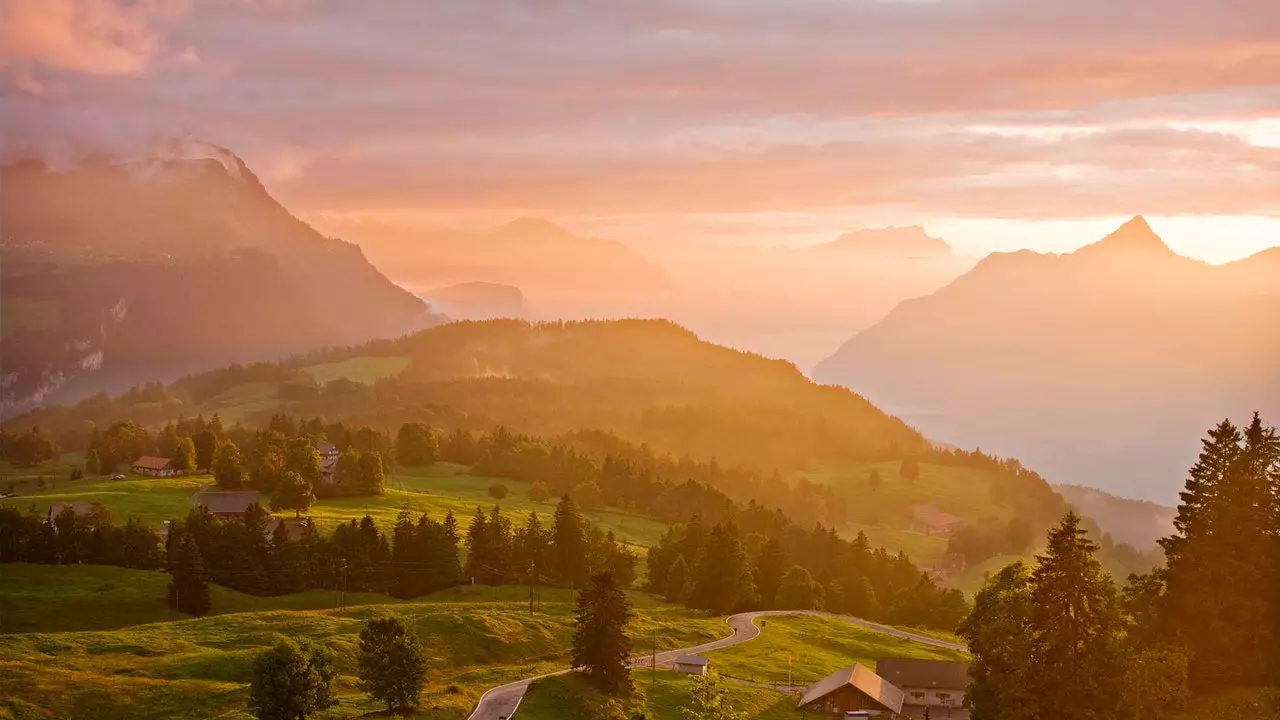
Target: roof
[(861, 679), (326, 448), (80, 508), (147, 462), (930, 674), (933, 517), (231, 501), (692, 660), (293, 526)]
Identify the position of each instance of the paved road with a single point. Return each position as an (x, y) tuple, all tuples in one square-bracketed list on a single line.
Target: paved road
[(501, 702)]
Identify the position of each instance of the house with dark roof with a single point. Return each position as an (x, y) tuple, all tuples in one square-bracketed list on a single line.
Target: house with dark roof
[(691, 664), (852, 689), (293, 527), (930, 520), (927, 683), (328, 461), (154, 467), (225, 504)]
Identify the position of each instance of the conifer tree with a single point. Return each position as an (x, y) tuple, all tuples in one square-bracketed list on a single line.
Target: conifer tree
[(722, 581), (184, 456), (600, 643), (188, 591), (479, 556), (676, 580), (1075, 629), (92, 465), (769, 567), (569, 544)]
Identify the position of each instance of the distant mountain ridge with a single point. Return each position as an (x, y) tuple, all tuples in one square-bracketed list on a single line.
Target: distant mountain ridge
[(1095, 367), (890, 242), (157, 266)]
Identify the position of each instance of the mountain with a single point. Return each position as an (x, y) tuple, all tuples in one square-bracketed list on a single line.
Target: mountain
[(119, 270), (477, 301), (891, 242), (562, 275), (1095, 368), (1136, 522)]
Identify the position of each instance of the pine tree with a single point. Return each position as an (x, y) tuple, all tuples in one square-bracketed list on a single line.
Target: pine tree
[(188, 591), (1075, 629), (600, 643), (479, 555), (722, 581), (184, 456), (392, 663), (569, 544), (769, 567), (204, 442), (92, 465), (371, 474), (676, 581)]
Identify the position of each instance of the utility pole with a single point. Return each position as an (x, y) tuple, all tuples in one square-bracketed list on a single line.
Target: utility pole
[(342, 584), (653, 664), (531, 587), (788, 669)]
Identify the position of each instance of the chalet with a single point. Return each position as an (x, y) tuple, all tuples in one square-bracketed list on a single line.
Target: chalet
[(328, 461), (852, 689), (691, 664), (225, 504), (929, 520), (154, 466), (927, 683)]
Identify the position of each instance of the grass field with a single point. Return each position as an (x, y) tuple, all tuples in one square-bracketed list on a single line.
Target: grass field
[(236, 403), (361, 369), (1237, 704), (53, 473), (568, 697), (973, 578), (28, 313), (199, 668), (817, 647), (434, 490)]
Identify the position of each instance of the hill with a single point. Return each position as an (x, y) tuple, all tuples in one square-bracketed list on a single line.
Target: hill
[(1136, 522), (891, 242), (1022, 355), (117, 271), (477, 301)]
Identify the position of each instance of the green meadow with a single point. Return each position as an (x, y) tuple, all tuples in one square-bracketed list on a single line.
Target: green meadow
[(200, 668), (662, 696), (815, 647), (360, 369)]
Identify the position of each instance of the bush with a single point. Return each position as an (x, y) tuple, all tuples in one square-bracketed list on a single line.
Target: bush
[(498, 491), (538, 492)]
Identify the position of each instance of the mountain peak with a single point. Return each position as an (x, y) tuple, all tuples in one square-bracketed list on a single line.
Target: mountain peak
[(1134, 238), (532, 227), (908, 241)]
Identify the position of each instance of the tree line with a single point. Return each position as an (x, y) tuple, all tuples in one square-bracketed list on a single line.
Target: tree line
[(1060, 640)]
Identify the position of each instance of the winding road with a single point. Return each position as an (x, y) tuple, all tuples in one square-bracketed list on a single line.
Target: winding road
[(501, 702)]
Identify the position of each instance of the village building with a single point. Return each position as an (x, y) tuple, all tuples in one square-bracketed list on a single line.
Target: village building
[(692, 664), (930, 520), (294, 527), (852, 689), (154, 467), (328, 461), (936, 684), (225, 504), (79, 509)]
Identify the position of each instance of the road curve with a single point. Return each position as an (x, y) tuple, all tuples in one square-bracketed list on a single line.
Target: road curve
[(502, 701)]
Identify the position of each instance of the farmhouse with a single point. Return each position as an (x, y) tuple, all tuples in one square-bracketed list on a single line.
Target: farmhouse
[(328, 461), (154, 466), (293, 527), (851, 689), (228, 505), (691, 664), (927, 683), (930, 520)]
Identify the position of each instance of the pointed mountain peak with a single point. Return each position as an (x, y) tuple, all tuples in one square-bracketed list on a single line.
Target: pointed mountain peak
[(1134, 238)]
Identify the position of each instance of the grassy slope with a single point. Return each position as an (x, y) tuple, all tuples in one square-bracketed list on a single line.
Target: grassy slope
[(570, 698), (817, 647), (885, 514), (359, 369), (199, 668), (54, 472), (435, 490), (1238, 704)]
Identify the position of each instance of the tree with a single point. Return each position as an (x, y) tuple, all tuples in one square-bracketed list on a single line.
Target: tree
[(293, 493), (587, 495), (676, 581), (416, 445), (1074, 663), (392, 663), (874, 481), (600, 643), (708, 701), (998, 634), (498, 491), (184, 456), (1154, 680), (798, 591), (205, 443), (910, 468), (227, 466), (292, 681), (370, 473), (569, 544), (188, 591), (538, 492), (92, 465), (303, 458), (722, 581), (769, 567)]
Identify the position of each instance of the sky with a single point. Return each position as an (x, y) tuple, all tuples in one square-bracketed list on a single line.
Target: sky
[(997, 124)]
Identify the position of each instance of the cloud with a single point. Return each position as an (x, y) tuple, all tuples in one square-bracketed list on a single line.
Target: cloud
[(96, 37)]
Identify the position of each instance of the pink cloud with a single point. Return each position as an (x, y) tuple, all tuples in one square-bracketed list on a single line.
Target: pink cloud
[(95, 37)]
